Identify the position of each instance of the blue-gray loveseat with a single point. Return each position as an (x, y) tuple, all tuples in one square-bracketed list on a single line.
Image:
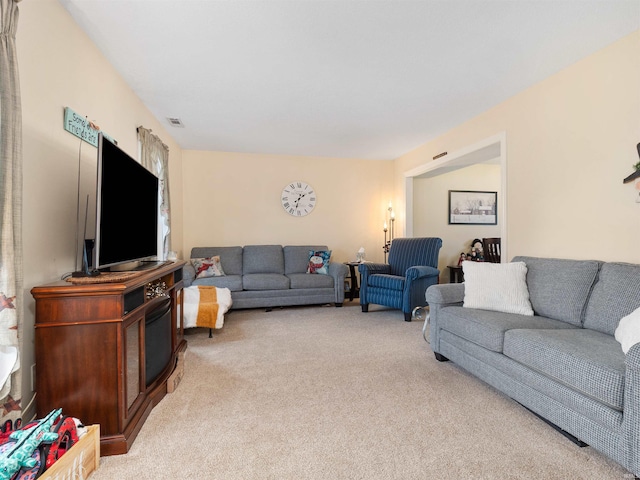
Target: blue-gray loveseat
[(271, 275), (563, 363)]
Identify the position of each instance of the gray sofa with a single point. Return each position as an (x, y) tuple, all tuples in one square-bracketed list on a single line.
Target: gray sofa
[(563, 363), (271, 276)]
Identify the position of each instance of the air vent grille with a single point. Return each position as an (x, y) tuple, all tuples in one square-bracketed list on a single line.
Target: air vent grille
[(175, 122)]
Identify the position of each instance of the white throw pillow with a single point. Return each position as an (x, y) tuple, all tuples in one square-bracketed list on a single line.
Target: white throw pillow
[(628, 330), (501, 287)]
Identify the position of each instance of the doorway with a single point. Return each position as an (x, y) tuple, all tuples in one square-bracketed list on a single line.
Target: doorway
[(491, 150)]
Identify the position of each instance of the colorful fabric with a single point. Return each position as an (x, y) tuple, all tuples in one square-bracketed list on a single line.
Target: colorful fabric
[(17, 453), (33, 472), (208, 307)]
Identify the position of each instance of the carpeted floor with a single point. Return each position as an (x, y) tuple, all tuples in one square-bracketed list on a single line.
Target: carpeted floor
[(333, 393)]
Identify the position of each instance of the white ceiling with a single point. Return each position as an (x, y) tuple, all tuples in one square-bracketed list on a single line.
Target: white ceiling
[(351, 79)]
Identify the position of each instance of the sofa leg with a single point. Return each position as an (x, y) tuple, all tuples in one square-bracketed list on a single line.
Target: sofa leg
[(365, 307), (440, 357), (339, 304), (407, 316)]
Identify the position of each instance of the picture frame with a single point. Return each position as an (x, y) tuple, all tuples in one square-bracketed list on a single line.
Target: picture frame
[(472, 207)]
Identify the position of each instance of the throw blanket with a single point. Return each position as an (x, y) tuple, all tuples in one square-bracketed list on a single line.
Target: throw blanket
[(628, 331), (205, 306)]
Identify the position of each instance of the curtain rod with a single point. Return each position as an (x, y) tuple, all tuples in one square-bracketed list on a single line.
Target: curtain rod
[(153, 135)]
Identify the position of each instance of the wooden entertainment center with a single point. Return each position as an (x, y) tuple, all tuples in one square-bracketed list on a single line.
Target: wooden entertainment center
[(96, 343)]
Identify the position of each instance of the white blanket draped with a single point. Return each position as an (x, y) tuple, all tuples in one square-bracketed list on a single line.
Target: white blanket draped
[(193, 305), (628, 330)]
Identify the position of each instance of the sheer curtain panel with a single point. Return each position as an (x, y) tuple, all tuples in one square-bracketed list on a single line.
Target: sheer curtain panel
[(154, 155), (11, 282)]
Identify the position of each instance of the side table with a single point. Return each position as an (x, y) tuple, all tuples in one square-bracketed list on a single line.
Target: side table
[(354, 291), (455, 274)]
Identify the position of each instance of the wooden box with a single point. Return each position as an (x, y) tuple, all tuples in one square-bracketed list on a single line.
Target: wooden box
[(81, 459)]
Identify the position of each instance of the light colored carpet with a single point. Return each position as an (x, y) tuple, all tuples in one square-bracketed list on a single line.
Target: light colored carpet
[(333, 393)]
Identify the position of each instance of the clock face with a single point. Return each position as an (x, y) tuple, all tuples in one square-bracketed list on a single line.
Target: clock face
[(298, 199)]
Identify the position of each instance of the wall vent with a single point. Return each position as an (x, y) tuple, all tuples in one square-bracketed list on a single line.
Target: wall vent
[(175, 122)]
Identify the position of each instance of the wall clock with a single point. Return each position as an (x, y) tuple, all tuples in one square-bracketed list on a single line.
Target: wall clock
[(298, 199)]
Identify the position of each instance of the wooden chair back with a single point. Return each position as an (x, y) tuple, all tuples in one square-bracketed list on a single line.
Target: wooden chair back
[(491, 250)]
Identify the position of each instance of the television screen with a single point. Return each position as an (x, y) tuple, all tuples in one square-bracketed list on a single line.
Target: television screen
[(127, 208)]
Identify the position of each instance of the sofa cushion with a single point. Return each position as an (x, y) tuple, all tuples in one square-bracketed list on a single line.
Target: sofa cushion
[(615, 295), (487, 328), (499, 287), (232, 282), (559, 288), (265, 281), (296, 257), (263, 259), (230, 257), (588, 361), (304, 280)]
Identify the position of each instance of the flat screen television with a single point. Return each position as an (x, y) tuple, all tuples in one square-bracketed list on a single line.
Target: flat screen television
[(127, 208)]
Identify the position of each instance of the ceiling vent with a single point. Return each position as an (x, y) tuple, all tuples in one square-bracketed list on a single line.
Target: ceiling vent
[(175, 122)]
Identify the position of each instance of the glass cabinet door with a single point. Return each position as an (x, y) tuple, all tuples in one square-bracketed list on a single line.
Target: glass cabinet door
[(178, 298), (132, 362)]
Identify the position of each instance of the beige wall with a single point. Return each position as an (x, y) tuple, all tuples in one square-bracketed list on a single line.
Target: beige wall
[(571, 139), (431, 205), (59, 67), (234, 199)]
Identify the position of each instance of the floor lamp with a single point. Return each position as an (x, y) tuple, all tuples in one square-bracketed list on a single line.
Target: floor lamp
[(387, 242)]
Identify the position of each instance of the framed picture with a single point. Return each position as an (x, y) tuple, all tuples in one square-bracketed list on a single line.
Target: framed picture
[(468, 207)]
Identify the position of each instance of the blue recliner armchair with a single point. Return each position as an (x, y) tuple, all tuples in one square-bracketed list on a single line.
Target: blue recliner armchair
[(402, 283)]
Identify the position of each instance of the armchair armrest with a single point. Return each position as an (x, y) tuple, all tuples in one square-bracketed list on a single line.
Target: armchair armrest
[(438, 297), (417, 280), (632, 358), (421, 272), (338, 271), (445, 294), (631, 408), (370, 268), (188, 274), (366, 269)]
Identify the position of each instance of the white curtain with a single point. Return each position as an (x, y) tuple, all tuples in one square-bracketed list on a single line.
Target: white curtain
[(154, 155), (11, 298)]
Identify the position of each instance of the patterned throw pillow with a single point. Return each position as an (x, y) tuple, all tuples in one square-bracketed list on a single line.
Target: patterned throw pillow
[(319, 262), (208, 267)]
